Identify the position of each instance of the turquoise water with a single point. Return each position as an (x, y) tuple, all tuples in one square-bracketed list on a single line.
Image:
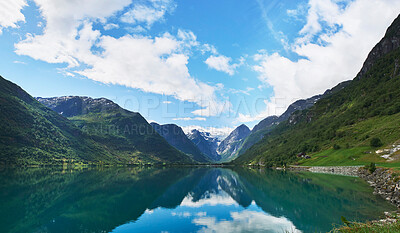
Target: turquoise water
[(180, 200)]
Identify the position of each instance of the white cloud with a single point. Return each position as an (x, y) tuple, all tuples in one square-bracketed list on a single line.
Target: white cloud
[(208, 48), (148, 13), (156, 65), (167, 102), (201, 214), (222, 63), (136, 29), (110, 26), (273, 107), (19, 62), (211, 200), (181, 214), (190, 119), (327, 56), (246, 91), (246, 221), (10, 13)]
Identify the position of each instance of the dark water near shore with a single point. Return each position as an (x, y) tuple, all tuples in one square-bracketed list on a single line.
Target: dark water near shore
[(180, 200)]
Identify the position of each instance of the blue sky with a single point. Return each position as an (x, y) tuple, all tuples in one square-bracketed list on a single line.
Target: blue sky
[(199, 64)]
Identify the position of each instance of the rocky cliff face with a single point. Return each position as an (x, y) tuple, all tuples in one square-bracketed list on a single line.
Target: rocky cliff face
[(206, 143), (230, 145), (178, 139), (390, 42)]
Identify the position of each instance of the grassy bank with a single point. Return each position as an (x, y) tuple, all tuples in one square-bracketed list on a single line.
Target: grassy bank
[(370, 228)]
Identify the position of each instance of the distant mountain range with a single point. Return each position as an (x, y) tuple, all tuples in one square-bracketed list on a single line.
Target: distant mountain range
[(178, 139)]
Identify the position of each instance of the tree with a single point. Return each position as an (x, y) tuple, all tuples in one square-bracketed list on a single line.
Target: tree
[(376, 142)]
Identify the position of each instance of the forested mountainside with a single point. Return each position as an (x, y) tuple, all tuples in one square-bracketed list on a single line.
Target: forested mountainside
[(126, 134), (266, 125), (347, 125), (34, 134)]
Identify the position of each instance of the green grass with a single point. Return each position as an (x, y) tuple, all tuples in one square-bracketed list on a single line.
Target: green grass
[(369, 228), (347, 157)]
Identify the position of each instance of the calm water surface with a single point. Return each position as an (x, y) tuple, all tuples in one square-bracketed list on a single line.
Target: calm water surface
[(180, 200)]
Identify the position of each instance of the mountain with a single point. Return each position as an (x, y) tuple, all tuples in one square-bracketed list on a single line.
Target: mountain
[(270, 122), (228, 147), (178, 139), (70, 106), (338, 128), (34, 134), (125, 134), (206, 143)]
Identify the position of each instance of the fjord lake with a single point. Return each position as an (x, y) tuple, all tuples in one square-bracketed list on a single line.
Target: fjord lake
[(181, 200)]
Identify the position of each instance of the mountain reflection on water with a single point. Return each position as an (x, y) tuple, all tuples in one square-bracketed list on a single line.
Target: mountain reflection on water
[(180, 200)]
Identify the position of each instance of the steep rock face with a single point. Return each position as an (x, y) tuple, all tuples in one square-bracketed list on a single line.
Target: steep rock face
[(228, 147), (178, 139), (390, 42), (206, 143), (116, 128)]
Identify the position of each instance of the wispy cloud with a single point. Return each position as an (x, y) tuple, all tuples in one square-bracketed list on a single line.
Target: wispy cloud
[(332, 47), (10, 13), (265, 7), (110, 26), (19, 62), (190, 119), (149, 13)]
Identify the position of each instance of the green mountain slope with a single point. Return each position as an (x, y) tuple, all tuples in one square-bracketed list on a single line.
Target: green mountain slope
[(338, 129), (34, 134), (121, 131), (269, 123)]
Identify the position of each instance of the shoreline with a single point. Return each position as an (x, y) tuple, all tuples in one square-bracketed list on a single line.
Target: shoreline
[(334, 170), (385, 183)]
